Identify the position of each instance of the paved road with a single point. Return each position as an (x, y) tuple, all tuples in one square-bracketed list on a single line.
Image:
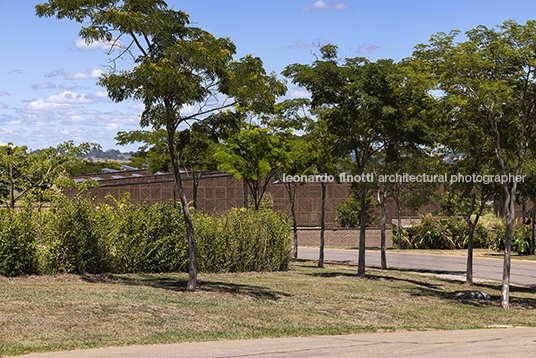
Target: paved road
[(512, 343), (522, 272)]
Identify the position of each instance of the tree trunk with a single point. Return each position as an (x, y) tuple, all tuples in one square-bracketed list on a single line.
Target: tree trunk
[(399, 224), (362, 228), (196, 182), (510, 200), (532, 238), (470, 241), (11, 188), (322, 224), (469, 273), (472, 225), (523, 209), (246, 199), (291, 190), (192, 250), (382, 238)]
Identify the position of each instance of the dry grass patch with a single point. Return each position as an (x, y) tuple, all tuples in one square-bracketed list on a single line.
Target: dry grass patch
[(43, 313)]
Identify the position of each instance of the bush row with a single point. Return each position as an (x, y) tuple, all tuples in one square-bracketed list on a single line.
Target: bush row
[(77, 235), (443, 233)]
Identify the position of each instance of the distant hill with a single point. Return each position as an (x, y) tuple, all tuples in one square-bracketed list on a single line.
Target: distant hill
[(111, 154)]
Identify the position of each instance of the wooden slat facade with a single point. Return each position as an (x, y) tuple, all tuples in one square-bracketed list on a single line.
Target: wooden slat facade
[(220, 192)]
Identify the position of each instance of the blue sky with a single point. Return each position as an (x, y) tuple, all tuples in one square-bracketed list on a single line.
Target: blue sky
[(48, 91)]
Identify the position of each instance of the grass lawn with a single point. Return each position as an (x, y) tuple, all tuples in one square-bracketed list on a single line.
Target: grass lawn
[(46, 313)]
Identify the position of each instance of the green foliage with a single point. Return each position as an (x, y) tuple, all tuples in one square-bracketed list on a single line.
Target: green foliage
[(79, 236), (30, 175), (18, 253), (443, 233), (243, 240), (500, 235), (254, 154), (453, 204), (86, 166), (145, 239), (73, 236), (178, 66), (348, 211)]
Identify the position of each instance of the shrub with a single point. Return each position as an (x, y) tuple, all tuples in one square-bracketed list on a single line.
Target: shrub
[(443, 233), (500, 236), (73, 237), (243, 240), (79, 236), (146, 239), (349, 210), (18, 231)]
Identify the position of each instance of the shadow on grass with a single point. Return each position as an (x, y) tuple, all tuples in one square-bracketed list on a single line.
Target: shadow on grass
[(180, 285), (421, 288)]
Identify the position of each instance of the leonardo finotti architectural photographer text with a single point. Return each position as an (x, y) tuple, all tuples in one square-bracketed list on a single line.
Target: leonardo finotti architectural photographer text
[(405, 178)]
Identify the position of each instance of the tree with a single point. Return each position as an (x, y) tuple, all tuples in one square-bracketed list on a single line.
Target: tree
[(254, 155), (293, 114), (528, 190), (363, 107), (30, 175), (380, 167), (153, 153), (195, 146), (177, 65), (490, 80), (474, 154), (322, 161)]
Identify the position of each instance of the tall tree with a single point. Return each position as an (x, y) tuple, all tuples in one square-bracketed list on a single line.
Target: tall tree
[(27, 174), (322, 161), (177, 65), (195, 146), (473, 154), (294, 114), (254, 155), (490, 79), (363, 109)]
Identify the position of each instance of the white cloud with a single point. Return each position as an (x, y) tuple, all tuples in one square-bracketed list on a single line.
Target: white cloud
[(69, 97), (54, 73), (3, 105), (102, 94), (69, 85), (42, 105), (71, 112), (138, 106), (44, 85), (321, 5), (75, 120), (3, 93), (65, 100), (187, 110), (366, 49), (118, 117), (111, 127), (81, 45), (299, 93), (89, 74), (12, 122)]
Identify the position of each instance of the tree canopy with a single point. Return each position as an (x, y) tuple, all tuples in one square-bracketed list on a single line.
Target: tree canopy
[(488, 83), (176, 65), (368, 106)]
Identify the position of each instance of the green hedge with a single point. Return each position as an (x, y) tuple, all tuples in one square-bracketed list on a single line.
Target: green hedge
[(443, 233), (500, 236), (18, 232), (79, 235)]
